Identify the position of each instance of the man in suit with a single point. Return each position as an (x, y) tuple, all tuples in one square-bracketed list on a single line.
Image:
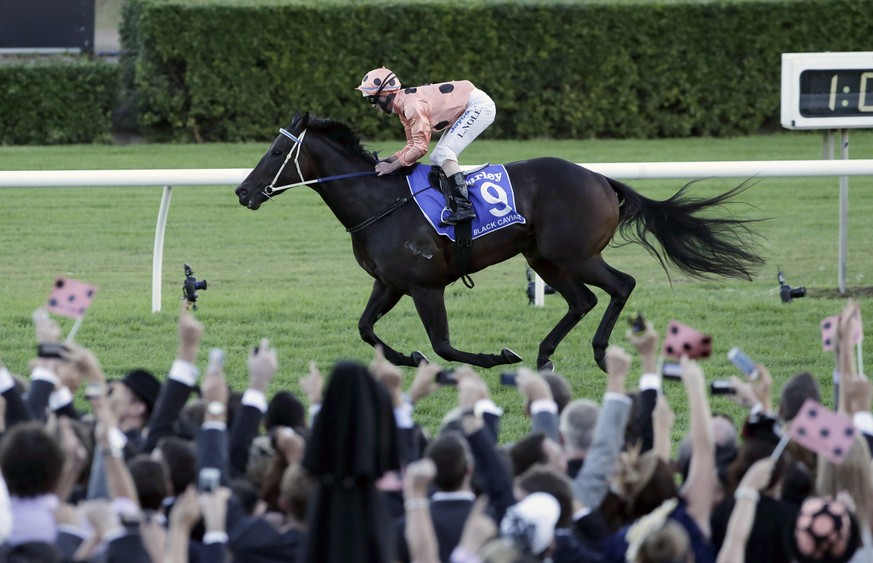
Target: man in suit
[(451, 503)]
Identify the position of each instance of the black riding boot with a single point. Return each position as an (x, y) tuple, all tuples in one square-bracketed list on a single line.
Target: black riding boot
[(462, 208)]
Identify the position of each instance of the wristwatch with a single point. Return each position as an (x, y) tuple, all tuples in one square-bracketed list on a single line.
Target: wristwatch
[(215, 408)]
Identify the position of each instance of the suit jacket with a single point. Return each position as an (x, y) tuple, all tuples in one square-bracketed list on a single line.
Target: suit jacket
[(212, 451), (591, 530), (642, 423), (448, 516), (491, 473), (569, 549), (38, 398), (127, 549), (16, 408), (254, 540), (592, 483), (243, 431), (171, 399)]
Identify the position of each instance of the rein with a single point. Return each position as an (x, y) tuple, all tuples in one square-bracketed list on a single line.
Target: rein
[(273, 189), (395, 205)]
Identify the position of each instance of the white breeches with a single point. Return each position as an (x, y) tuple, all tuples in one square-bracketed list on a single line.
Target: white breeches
[(478, 116)]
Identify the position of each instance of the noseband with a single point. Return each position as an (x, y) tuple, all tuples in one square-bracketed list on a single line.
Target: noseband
[(295, 152)]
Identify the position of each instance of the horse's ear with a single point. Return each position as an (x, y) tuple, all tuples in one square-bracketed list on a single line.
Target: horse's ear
[(296, 117), (304, 121)]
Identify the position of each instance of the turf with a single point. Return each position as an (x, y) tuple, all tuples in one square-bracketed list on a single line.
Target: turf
[(286, 272)]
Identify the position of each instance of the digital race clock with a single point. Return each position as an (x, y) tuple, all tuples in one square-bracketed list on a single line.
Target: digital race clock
[(827, 90)]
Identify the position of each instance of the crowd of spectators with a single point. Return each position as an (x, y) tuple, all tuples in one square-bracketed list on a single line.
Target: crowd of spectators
[(187, 469)]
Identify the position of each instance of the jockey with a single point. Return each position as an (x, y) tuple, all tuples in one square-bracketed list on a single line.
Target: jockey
[(458, 108)]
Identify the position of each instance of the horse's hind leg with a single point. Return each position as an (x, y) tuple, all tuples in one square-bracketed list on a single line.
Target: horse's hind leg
[(383, 298), (431, 307), (619, 286), (580, 300)]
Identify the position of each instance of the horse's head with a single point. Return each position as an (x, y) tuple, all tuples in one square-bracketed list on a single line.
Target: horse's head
[(279, 167)]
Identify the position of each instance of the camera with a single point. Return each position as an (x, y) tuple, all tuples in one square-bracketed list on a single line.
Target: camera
[(209, 479), (637, 322), (786, 292), (721, 387), (531, 287), (446, 377), (191, 286), (50, 350), (508, 378), (671, 370)]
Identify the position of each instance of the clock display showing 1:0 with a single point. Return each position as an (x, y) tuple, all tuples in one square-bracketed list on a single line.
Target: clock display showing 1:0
[(836, 93)]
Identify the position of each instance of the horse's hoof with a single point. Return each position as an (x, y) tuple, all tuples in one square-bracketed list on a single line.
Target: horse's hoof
[(417, 357), (510, 356), (547, 367)]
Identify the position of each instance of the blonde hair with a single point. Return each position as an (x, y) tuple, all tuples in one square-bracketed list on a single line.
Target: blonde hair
[(854, 475), (670, 544)]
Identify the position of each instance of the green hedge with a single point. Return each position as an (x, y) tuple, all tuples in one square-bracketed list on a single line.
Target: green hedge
[(57, 102), (231, 70)]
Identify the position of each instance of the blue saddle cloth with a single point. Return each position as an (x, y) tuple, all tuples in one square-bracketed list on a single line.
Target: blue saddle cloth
[(489, 190)]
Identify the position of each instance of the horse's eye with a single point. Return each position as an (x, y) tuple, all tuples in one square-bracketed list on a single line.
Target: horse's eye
[(277, 152)]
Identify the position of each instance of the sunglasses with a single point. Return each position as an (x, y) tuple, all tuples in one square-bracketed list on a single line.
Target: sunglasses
[(372, 99)]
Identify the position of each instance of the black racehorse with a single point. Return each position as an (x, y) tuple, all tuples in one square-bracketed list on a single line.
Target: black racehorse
[(572, 215)]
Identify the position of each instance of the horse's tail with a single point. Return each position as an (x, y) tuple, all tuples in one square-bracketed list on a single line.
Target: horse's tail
[(699, 246)]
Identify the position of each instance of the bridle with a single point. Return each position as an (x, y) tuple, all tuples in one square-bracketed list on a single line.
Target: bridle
[(295, 152), (272, 189)]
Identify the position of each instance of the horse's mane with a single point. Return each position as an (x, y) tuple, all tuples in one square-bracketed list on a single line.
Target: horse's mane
[(342, 134)]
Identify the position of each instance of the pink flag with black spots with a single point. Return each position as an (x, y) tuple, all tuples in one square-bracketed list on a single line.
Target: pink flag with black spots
[(823, 431), (70, 298)]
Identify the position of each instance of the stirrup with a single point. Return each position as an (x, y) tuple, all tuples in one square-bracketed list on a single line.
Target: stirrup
[(460, 216)]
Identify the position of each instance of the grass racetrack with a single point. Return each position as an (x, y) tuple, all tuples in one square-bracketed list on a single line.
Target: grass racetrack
[(286, 272)]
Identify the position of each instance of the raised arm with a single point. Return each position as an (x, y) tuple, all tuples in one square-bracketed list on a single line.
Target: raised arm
[(592, 483), (420, 534), (699, 488), (262, 365), (743, 515), (181, 380), (539, 403)]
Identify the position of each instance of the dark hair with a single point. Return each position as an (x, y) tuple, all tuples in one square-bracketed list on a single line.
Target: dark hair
[(450, 454), (660, 487), (31, 460), (190, 419), (150, 478), (527, 452), (285, 409), (752, 450), (245, 491), (181, 459), (544, 479)]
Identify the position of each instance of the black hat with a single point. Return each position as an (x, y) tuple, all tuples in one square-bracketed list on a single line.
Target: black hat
[(144, 385)]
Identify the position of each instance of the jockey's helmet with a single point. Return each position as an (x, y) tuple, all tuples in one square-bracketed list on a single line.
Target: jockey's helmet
[(378, 82)]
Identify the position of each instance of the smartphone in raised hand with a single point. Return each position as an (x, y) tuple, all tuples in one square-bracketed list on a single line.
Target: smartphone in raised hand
[(743, 363)]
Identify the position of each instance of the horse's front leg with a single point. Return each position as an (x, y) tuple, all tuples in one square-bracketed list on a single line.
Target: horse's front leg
[(383, 298), (431, 307)]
